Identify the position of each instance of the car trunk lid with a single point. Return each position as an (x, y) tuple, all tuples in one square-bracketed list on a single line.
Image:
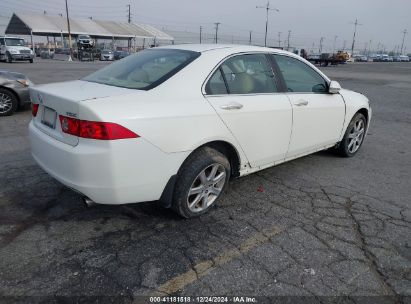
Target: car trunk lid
[(65, 99)]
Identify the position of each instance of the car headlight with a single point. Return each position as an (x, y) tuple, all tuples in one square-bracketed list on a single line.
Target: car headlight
[(14, 52), (25, 82)]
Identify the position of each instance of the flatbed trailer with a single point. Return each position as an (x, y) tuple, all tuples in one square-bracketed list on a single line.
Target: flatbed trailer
[(326, 59)]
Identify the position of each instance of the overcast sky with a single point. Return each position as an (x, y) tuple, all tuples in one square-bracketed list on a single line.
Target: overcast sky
[(382, 21)]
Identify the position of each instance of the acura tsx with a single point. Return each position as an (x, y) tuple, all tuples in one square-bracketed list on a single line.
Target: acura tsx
[(174, 124)]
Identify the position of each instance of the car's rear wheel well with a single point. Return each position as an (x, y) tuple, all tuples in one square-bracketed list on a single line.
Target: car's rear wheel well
[(230, 152), (223, 147)]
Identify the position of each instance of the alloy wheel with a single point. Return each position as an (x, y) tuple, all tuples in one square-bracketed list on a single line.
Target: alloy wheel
[(356, 136), (206, 188), (6, 103)]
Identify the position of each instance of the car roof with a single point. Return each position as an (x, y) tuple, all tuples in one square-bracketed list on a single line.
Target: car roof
[(211, 47)]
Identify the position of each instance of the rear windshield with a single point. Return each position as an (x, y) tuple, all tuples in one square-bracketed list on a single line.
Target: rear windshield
[(144, 70)]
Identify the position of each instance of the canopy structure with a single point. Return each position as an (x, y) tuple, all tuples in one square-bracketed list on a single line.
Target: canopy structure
[(46, 25)]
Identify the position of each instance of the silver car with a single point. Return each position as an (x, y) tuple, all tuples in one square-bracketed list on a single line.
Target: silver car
[(14, 92), (107, 55)]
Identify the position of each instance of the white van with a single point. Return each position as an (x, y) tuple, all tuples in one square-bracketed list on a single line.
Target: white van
[(13, 48)]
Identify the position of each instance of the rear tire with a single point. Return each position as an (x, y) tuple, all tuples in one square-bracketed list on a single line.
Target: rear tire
[(200, 182), (8, 103), (354, 136)]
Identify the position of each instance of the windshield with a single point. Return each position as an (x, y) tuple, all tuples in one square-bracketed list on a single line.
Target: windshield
[(144, 70), (105, 52), (14, 42)]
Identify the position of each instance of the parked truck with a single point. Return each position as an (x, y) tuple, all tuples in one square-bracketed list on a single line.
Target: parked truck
[(14, 48), (325, 59)]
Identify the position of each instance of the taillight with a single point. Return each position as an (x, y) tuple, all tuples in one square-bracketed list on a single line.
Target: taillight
[(95, 129), (34, 109)]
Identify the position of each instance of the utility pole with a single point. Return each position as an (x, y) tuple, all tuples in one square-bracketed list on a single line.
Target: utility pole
[(288, 40), (250, 41), (404, 32), (129, 13), (69, 32), (335, 41), (353, 39), (369, 48), (279, 39), (268, 9), (201, 34), (216, 31), (321, 45)]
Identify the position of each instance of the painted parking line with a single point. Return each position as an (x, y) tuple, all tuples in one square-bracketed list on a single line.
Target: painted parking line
[(203, 268)]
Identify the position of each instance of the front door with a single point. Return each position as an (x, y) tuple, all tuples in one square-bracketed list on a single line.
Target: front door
[(318, 116)]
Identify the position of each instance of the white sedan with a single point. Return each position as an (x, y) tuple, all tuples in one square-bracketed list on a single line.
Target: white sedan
[(174, 124)]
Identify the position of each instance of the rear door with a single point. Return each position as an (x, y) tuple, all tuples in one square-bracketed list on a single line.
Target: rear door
[(245, 93), (318, 116)]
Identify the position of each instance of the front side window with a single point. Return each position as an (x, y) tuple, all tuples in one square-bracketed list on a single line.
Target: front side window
[(144, 70), (14, 42), (1, 41), (299, 77), (243, 74)]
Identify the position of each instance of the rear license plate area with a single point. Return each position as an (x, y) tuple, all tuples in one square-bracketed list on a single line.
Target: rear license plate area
[(49, 118)]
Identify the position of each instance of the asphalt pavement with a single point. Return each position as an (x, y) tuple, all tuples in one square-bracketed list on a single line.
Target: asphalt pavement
[(321, 226)]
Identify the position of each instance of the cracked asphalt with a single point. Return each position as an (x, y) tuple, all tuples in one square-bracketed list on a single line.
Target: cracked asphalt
[(323, 227)]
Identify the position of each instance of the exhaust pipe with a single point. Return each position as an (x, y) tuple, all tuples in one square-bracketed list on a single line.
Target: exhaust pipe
[(88, 202)]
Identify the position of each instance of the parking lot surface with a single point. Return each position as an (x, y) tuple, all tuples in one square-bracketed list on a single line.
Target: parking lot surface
[(321, 226)]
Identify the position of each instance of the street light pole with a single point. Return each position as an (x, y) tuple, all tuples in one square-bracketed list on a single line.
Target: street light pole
[(69, 33), (268, 9)]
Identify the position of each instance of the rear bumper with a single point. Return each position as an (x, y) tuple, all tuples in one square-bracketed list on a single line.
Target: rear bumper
[(108, 172)]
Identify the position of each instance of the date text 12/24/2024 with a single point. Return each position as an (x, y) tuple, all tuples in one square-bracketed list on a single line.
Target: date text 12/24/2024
[(200, 299)]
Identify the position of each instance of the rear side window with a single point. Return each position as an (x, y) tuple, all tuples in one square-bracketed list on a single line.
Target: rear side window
[(243, 74), (144, 70), (216, 84), (299, 77), (1, 41)]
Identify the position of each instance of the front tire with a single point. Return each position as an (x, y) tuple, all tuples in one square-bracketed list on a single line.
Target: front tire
[(31, 60), (200, 182), (354, 136), (8, 103), (9, 58)]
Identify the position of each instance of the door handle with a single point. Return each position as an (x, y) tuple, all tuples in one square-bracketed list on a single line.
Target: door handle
[(301, 103), (232, 106)]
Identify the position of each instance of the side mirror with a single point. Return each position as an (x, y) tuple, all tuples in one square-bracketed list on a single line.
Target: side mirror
[(334, 87)]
